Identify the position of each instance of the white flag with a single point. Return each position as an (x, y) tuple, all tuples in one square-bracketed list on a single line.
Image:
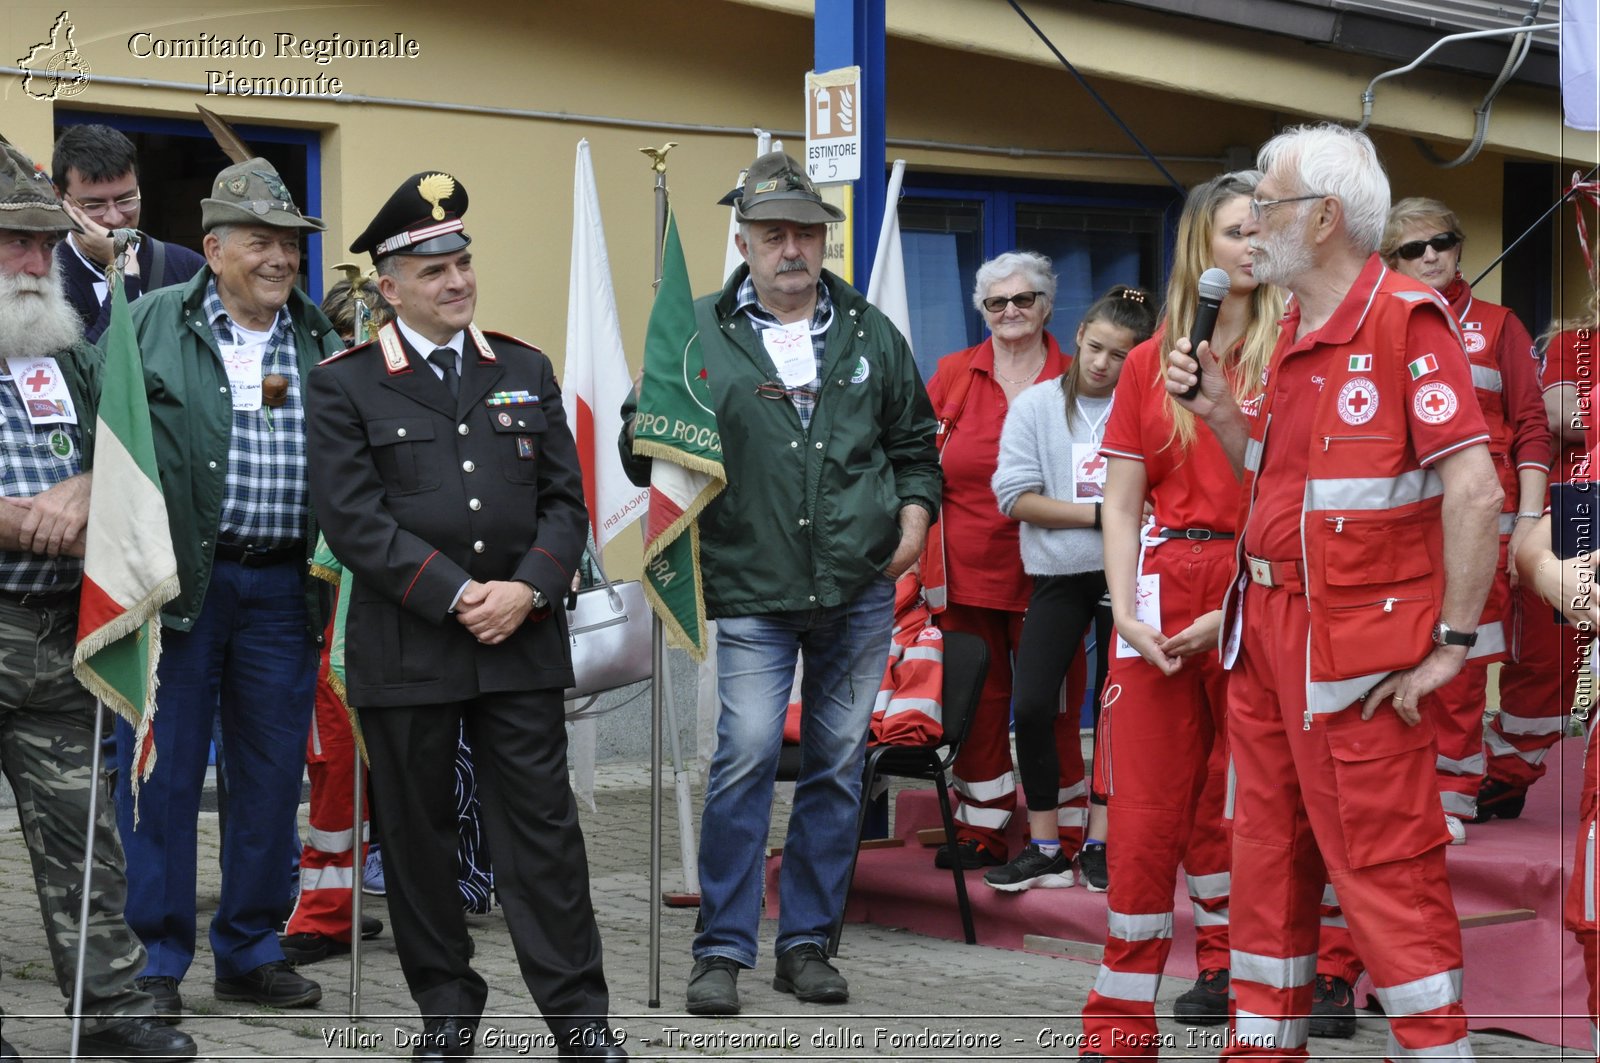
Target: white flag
[(887, 289), (732, 260), (1580, 84), (597, 379)]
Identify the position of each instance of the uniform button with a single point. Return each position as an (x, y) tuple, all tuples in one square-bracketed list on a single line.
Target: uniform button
[(401, 432), (852, 313), (461, 429), (861, 334), (474, 505), (819, 446), (467, 466), (794, 443), (811, 597), (803, 522), (1196, 548), (477, 547), (204, 543), (211, 464), (222, 391)]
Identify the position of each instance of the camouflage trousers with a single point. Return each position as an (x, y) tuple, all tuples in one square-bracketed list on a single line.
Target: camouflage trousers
[(46, 741)]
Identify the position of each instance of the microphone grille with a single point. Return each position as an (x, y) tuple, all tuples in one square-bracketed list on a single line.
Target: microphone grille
[(1214, 284)]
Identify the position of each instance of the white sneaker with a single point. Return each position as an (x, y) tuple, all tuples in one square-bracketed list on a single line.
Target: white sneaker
[(1458, 829)]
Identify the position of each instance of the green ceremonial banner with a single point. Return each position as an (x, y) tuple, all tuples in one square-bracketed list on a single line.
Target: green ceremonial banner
[(677, 428)]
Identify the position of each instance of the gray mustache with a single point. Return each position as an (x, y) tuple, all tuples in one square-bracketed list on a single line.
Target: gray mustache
[(794, 265)]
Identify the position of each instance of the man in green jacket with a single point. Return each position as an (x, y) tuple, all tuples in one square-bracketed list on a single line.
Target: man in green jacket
[(225, 359), (832, 482)]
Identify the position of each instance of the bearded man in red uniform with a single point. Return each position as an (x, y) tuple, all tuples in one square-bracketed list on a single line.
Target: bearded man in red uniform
[(1369, 542)]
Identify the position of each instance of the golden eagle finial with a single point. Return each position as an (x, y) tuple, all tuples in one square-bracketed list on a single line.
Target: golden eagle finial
[(658, 156), (434, 188)]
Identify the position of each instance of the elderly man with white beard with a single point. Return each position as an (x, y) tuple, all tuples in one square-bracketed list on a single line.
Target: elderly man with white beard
[(47, 410)]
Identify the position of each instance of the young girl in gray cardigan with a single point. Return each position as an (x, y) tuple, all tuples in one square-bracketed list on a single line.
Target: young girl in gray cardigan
[(1051, 477)]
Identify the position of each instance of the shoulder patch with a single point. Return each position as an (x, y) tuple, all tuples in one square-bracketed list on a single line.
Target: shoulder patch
[(347, 351), (512, 339)]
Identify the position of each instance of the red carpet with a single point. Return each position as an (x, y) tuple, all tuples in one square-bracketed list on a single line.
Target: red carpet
[(1523, 977)]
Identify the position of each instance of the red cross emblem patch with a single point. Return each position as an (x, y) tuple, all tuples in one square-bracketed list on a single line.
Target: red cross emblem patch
[(1358, 400), (1434, 403)]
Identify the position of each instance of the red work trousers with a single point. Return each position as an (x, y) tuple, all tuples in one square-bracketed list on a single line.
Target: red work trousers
[(1347, 801), (1458, 707), (1162, 761), (1581, 895), (1537, 687), (328, 862), (986, 786)]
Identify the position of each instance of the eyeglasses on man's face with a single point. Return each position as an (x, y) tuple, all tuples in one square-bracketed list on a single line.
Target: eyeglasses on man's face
[(99, 208), (1259, 207), (997, 303)]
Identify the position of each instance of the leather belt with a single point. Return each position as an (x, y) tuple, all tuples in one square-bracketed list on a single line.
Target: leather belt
[(249, 558), (1197, 534), (40, 599), (1284, 574)]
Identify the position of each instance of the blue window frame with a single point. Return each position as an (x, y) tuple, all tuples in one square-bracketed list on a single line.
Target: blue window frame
[(1097, 235), (178, 159)]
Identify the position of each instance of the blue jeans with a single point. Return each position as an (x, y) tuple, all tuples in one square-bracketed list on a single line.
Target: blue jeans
[(250, 653), (845, 649)]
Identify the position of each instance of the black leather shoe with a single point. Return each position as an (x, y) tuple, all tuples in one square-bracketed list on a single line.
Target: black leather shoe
[(7, 1052), (301, 949), (446, 1037), (163, 991), (274, 984), (137, 1037), (371, 927), (592, 1040)]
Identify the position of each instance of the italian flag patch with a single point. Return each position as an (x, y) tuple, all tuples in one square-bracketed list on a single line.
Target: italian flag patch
[(1360, 363), (1423, 366)]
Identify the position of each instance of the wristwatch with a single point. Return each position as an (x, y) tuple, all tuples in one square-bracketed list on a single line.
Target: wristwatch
[(540, 601), (1445, 635)]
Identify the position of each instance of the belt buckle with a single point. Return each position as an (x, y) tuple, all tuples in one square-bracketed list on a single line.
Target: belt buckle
[(1260, 571), (1197, 534)]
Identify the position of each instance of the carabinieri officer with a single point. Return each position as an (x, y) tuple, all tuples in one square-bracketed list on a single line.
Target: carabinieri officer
[(448, 483)]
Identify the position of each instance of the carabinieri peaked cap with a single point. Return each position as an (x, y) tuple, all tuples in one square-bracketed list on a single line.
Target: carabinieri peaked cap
[(252, 193), (423, 217), (28, 201)]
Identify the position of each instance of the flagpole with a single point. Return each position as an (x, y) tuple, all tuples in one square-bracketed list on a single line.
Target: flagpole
[(658, 651)]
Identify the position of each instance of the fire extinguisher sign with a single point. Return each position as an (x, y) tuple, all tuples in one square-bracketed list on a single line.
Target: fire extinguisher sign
[(833, 132)]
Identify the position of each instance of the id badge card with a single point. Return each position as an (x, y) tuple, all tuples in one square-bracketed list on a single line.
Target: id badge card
[(43, 390), (1146, 609), (1088, 473), (789, 347), (243, 364)]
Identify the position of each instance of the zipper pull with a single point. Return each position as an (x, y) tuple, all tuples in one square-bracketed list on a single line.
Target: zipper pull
[(1307, 726), (1326, 440), (1338, 525), (1388, 604)]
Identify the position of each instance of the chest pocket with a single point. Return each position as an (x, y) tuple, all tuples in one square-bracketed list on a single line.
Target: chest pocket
[(519, 436), (397, 446)]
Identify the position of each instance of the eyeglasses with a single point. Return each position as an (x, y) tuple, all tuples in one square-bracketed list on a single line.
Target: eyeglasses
[(1259, 207), (1415, 249), (997, 303), (98, 208)]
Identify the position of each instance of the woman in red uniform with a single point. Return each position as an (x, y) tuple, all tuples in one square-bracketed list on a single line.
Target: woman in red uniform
[(1423, 241), (1162, 760), (986, 591)]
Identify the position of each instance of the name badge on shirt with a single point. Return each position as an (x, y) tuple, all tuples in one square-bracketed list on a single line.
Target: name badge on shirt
[(789, 347), (43, 390), (1088, 472), (243, 364)]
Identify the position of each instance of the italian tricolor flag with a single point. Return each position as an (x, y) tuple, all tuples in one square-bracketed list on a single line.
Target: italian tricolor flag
[(129, 571), (1423, 366)]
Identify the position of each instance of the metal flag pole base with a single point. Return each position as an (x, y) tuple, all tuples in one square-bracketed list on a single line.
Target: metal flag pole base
[(88, 872), (357, 870), (658, 655)]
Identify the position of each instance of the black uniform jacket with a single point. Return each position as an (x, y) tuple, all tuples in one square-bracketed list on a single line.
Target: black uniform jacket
[(418, 492)]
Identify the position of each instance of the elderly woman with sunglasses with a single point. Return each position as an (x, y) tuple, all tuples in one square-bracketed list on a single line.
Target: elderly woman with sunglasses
[(980, 584), (1423, 240)]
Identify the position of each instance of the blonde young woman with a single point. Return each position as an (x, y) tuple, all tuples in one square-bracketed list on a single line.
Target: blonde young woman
[(1161, 756)]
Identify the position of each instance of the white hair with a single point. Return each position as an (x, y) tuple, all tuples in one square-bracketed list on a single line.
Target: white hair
[(35, 317), (1035, 268), (1330, 160)]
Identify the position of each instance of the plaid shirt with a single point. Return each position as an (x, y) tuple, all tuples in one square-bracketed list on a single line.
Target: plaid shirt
[(804, 397), (264, 497), (29, 465)]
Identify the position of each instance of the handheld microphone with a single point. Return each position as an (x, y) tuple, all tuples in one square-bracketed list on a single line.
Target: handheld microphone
[(1213, 288)]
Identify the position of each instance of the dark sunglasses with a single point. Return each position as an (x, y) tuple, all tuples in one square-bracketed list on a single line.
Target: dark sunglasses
[(1417, 248), (996, 303)]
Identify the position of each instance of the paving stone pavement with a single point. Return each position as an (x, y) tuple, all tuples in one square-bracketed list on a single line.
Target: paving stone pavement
[(912, 996)]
